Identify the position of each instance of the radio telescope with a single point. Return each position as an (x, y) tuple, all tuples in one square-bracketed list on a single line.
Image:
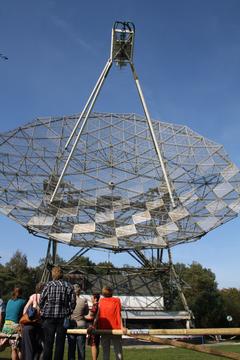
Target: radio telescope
[(113, 193), (122, 182)]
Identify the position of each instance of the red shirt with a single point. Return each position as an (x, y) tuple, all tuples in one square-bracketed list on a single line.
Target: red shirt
[(109, 316)]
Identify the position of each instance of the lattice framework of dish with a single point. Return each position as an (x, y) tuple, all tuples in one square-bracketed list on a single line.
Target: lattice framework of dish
[(113, 194)]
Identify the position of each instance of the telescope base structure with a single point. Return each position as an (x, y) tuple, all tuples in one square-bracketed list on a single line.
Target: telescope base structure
[(147, 292)]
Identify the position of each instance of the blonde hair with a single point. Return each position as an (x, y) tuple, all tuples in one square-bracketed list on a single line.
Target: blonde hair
[(57, 273), (107, 291)]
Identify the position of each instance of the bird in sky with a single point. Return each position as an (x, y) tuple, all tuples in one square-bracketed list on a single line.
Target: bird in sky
[(3, 57)]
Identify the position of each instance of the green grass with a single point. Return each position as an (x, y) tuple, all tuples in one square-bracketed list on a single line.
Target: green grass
[(154, 354)]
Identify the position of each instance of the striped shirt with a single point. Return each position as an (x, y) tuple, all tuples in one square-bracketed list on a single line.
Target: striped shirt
[(57, 299)]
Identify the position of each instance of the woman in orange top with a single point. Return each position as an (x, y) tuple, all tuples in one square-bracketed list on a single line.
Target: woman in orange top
[(109, 317)]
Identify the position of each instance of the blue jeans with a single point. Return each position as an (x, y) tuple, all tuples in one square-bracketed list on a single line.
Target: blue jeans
[(31, 341), (78, 341)]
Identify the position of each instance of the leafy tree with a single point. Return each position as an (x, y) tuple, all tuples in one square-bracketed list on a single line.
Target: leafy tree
[(83, 261), (127, 266), (5, 279), (59, 260), (202, 295), (231, 301), (17, 273), (18, 263), (103, 268)]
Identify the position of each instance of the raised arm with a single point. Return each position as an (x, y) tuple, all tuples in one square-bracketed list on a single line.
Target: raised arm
[(30, 302)]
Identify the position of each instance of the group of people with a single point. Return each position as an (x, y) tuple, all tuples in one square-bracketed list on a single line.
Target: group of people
[(61, 306)]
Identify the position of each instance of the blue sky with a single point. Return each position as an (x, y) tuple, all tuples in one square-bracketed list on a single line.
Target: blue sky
[(187, 55)]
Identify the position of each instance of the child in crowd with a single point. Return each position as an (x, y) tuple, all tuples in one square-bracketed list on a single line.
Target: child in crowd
[(93, 340)]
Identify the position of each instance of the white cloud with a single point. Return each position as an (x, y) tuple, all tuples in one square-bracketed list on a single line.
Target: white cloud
[(68, 30)]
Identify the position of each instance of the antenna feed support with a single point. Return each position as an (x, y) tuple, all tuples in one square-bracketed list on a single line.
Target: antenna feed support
[(122, 44)]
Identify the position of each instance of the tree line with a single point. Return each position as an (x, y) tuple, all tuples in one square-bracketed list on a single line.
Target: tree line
[(211, 306)]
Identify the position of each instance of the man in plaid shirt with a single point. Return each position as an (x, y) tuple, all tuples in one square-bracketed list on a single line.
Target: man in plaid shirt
[(57, 301)]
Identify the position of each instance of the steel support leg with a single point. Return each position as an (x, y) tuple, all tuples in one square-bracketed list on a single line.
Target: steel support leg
[(87, 104), (177, 282), (157, 149), (54, 252), (93, 100), (45, 273)]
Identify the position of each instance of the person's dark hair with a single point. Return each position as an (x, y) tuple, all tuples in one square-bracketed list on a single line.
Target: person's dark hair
[(57, 273), (107, 291), (17, 293), (39, 287), (96, 296)]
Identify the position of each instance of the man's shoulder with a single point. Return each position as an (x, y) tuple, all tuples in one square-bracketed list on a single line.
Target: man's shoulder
[(67, 284), (112, 299), (82, 299), (48, 284), (59, 282), (56, 284), (116, 300)]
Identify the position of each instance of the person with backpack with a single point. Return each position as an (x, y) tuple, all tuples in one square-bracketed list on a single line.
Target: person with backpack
[(32, 336)]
